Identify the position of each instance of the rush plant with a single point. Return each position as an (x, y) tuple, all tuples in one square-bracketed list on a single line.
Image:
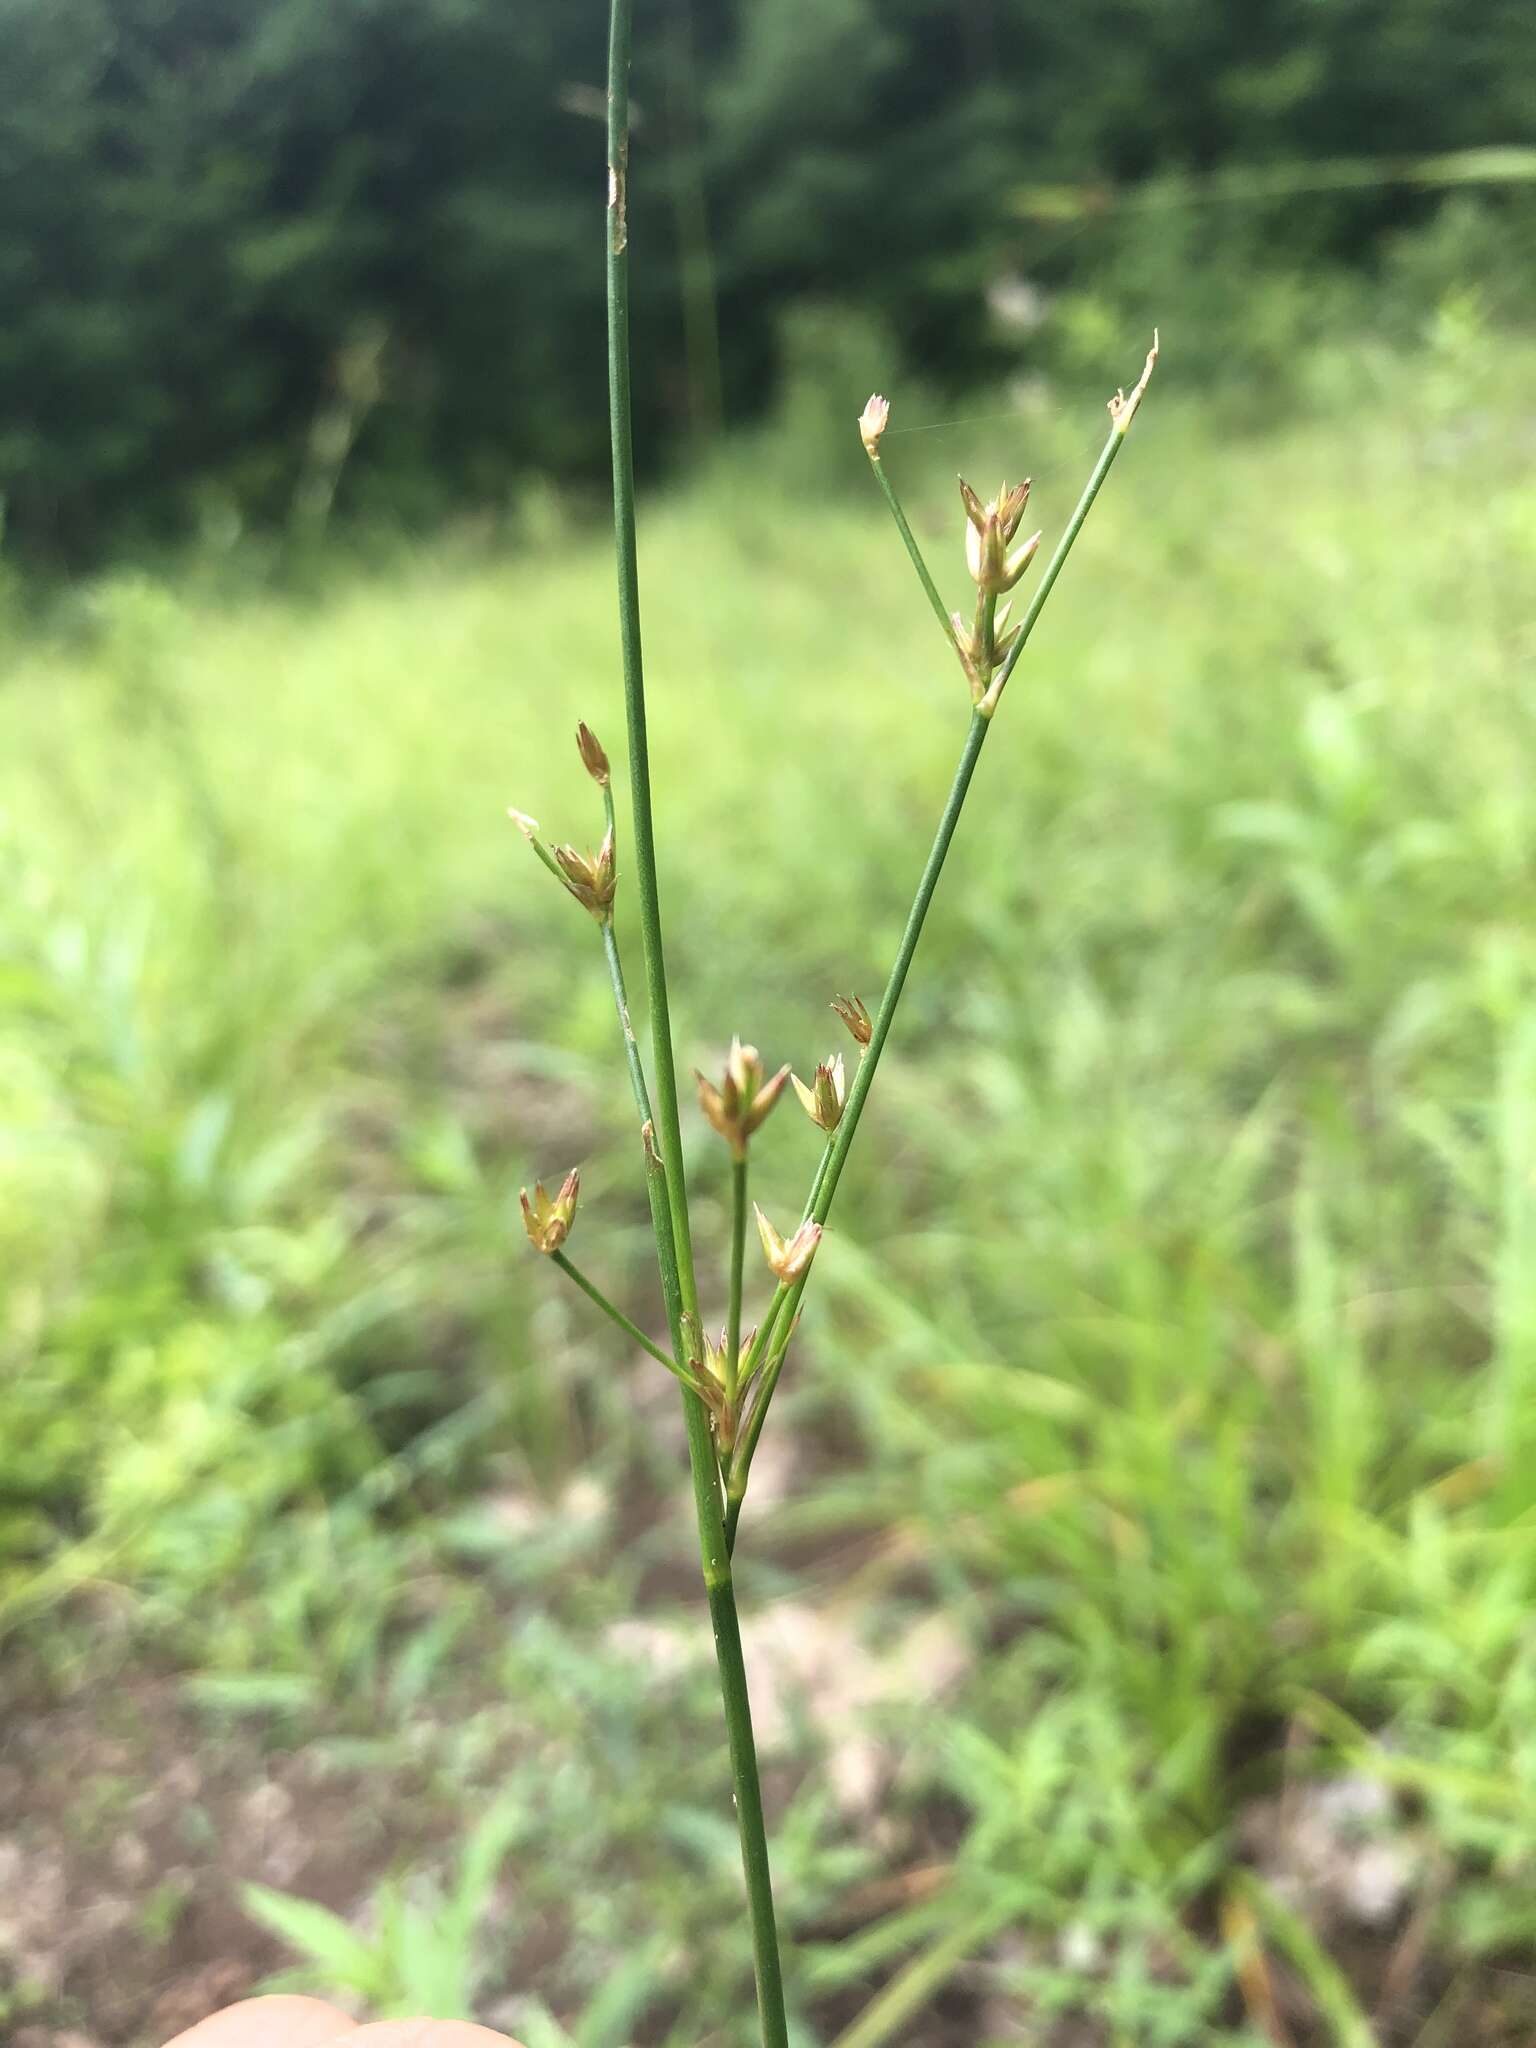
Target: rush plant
[(728, 1379)]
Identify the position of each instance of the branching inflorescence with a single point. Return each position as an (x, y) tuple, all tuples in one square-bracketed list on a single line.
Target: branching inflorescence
[(728, 1378)]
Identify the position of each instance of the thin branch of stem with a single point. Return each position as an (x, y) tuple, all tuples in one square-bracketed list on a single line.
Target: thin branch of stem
[(616, 1315), (910, 540), (843, 1137), (674, 1246)]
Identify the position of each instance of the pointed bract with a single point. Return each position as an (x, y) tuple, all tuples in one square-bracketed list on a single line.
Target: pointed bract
[(1019, 561), (787, 1261), (823, 1101), (978, 550)]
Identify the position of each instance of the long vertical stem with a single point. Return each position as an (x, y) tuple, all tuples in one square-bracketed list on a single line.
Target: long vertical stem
[(669, 1129), (674, 1247)]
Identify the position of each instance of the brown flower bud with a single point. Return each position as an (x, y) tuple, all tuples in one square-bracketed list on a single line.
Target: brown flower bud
[(738, 1106), (989, 529), (823, 1101), (1010, 506), (856, 1017), (873, 421), (590, 877), (593, 759), (548, 1221), (788, 1261)]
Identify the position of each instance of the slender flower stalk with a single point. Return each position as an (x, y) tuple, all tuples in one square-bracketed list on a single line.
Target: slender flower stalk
[(909, 538), (675, 1249), (614, 1314)]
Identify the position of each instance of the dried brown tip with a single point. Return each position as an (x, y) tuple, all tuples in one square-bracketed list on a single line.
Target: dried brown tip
[(1010, 506), (852, 1011), (593, 759), (1122, 410)]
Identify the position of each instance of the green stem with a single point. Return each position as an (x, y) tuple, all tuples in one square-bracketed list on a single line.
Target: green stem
[(668, 1124), (548, 858), (913, 549), (842, 1140), (655, 1172), (626, 1026), (631, 1330), (863, 1079), (674, 1246), (738, 1258)]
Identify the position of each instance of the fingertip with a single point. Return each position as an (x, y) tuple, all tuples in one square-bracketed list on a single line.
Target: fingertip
[(280, 2020), (428, 2034)]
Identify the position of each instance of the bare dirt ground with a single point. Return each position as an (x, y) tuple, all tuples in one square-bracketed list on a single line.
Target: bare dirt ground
[(125, 1836)]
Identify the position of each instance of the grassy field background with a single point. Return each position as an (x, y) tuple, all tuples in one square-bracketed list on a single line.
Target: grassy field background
[(1141, 1573)]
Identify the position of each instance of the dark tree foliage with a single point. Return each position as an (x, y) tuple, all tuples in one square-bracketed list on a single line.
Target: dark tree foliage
[(216, 215)]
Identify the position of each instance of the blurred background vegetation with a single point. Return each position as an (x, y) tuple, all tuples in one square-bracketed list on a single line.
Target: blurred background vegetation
[(248, 244), (1141, 1561)]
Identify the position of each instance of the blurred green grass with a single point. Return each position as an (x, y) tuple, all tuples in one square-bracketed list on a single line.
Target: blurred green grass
[(1178, 1334)]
